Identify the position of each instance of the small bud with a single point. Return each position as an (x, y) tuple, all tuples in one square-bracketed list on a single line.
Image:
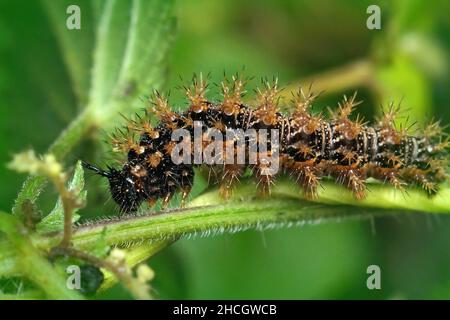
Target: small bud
[(144, 273), (52, 166), (117, 255), (25, 162)]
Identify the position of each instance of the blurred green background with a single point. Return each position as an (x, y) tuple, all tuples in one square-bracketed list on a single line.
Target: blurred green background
[(294, 40)]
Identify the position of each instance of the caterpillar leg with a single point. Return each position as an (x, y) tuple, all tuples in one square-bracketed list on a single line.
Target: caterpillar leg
[(167, 199), (186, 182), (184, 195), (264, 178), (151, 202), (307, 176), (421, 178), (213, 174), (390, 175), (351, 177), (230, 176)]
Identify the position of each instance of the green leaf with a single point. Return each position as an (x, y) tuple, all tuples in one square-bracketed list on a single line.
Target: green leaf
[(133, 39), (54, 221), (402, 81), (109, 51), (75, 45)]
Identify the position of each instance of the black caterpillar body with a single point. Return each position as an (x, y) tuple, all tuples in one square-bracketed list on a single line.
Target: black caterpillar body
[(310, 147)]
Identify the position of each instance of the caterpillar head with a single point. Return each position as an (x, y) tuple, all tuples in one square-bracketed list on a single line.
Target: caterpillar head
[(124, 187)]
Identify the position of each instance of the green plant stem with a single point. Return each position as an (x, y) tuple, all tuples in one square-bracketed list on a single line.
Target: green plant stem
[(70, 202), (353, 75), (207, 220), (209, 215), (242, 213), (33, 266), (152, 232)]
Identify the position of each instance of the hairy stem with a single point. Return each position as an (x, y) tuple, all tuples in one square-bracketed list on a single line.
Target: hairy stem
[(210, 215)]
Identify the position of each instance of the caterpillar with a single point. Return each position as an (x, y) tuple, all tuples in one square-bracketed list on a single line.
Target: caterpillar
[(305, 146)]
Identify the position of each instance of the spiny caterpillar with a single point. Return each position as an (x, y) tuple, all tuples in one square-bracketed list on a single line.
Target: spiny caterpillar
[(309, 146)]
